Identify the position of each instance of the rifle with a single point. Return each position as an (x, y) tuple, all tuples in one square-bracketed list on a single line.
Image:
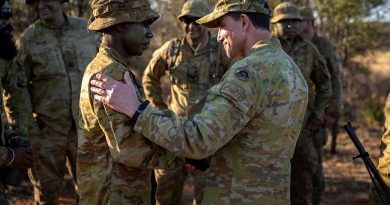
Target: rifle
[(383, 192)]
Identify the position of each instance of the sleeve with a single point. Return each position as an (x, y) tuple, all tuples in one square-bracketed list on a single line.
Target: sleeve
[(3, 155), (335, 68), (152, 74), (126, 146), (384, 159), (14, 97), (323, 90), (226, 111)]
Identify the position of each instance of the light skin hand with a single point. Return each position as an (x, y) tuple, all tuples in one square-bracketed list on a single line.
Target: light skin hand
[(121, 97)]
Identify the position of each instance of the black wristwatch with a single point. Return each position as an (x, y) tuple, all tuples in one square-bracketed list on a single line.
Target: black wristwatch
[(138, 112)]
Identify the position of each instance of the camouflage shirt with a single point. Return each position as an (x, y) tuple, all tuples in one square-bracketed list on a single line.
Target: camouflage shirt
[(191, 74), (384, 159), (54, 61), (11, 86), (114, 163), (313, 68), (333, 63), (250, 123)]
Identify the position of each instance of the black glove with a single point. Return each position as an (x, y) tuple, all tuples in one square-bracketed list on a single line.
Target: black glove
[(202, 164)]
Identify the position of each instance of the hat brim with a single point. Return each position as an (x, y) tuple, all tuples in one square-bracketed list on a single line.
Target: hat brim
[(285, 16), (212, 19), (98, 24)]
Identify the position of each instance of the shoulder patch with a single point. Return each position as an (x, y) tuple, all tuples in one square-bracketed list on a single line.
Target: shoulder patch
[(243, 74)]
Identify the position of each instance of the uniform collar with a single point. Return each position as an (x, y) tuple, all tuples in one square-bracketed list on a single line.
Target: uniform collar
[(265, 44), (113, 53), (66, 24)]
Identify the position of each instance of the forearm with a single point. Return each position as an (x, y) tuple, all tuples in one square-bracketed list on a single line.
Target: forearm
[(197, 139)]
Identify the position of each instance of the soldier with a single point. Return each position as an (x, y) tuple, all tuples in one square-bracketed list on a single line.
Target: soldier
[(115, 163), (15, 153), (250, 121), (194, 63), (286, 22), (54, 52), (328, 51), (384, 159)]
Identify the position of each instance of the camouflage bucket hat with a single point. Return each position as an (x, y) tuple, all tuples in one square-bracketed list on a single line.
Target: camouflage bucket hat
[(306, 13), (107, 13), (32, 1), (285, 10), (194, 8), (225, 6)]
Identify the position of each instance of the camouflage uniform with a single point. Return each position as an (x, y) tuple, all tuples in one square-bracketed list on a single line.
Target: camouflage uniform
[(249, 123), (54, 61), (384, 159), (328, 51), (191, 74), (11, 86), (313, 67), (114, 162)]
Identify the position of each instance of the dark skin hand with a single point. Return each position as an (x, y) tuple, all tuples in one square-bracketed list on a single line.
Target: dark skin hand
[(23, 158)]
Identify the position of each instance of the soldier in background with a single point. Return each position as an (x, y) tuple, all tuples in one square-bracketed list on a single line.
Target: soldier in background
[(115, 164), (332, 112), (250, 121), (194, 63), (286, 22), (15, 153), (54, 52)]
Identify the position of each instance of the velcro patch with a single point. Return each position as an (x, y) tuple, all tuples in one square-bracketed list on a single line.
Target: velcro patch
[(242, 74)]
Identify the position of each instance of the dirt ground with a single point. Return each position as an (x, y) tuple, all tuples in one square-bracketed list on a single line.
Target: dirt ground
[(347, 180)]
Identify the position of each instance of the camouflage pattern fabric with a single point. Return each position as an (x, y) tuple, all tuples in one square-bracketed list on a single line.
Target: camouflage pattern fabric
[(191, 74), (114, 162), (3, 155), (107, 13), (249, 123), (384, 158), (3, 195), (315, 72), (54, 60), (328, 51), (333, 63), (12, 85)]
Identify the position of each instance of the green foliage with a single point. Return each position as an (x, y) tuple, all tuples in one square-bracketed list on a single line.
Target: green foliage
[(344, 22), (373, 112)]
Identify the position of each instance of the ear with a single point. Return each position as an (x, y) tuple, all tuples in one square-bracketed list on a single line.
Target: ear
[(245, 22)]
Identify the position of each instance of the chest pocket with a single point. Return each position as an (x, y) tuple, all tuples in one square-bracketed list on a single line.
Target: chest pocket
[(46, 58)]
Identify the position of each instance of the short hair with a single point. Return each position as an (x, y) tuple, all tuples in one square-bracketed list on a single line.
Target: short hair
[(259, 20)]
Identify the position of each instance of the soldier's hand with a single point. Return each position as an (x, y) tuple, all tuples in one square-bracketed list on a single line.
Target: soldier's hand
[(19, 158), (329, 120), (121, 97), (190, 168), (18, 141), (315, 124)]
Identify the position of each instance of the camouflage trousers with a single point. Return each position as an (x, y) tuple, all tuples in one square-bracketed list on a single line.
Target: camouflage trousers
[(170, 184), (319, 178), (303, 168), (53, 153), (3, 195)]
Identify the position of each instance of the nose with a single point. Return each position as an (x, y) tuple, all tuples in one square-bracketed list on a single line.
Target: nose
[(289, 26), (219, 36), (149, 32)]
